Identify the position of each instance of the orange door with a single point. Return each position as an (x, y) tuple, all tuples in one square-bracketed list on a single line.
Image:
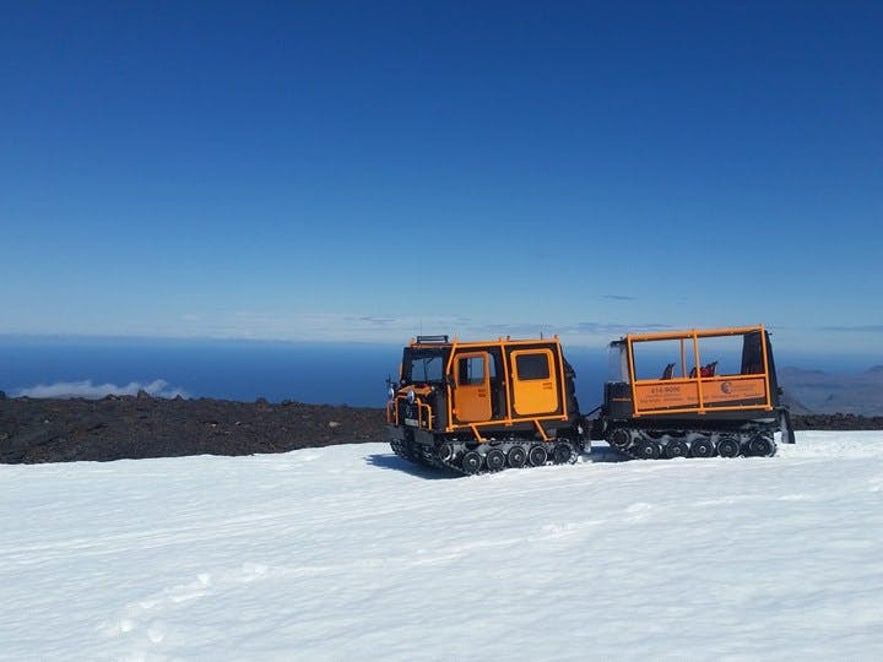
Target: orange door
[(472, 393), (536, 386)]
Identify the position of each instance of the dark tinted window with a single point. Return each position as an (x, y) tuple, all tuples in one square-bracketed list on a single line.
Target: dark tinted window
[(532, 366), (471, 370)]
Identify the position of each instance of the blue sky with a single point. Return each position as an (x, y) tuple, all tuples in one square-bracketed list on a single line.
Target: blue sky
[(371, 170)]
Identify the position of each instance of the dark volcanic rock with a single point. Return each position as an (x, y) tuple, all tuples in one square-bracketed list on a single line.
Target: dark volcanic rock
[(36, 430), (837, 422), (114, 428)]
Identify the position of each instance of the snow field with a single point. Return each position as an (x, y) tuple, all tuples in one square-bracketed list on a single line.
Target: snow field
[(348, 552)]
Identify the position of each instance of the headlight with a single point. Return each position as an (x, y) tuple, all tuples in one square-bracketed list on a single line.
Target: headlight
[(411, 397), (391, 392)]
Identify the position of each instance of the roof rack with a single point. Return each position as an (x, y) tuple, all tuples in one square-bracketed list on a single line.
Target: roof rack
[(432, 338)]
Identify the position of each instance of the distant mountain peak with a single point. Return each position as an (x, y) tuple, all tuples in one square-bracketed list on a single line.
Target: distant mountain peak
[(828, 393)]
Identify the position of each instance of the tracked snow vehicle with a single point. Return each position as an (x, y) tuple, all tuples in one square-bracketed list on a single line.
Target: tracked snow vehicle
[(693, 393), (484, 406)]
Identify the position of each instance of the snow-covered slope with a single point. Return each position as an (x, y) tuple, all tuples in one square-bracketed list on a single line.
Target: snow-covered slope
[(348, 553)]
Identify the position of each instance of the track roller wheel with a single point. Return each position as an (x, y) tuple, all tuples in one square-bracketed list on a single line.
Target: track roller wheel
[(728, 447), (702, 448), (619, 438), (676, 448), (472, 462), (445, 451), (516, 457), (563, 453), (647, 449), (495, 460), (537, 455), (761, 446)]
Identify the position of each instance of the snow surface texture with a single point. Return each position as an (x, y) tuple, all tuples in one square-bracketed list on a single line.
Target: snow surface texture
[(347, 552)]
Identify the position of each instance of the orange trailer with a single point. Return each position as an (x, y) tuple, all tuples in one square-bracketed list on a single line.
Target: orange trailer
[(695, 392)]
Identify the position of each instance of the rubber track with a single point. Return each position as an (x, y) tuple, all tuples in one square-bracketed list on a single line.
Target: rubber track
[(425, 456), (628, 451)]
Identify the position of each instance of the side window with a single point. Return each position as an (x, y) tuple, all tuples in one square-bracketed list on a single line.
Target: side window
[(470, 370), (532, 366)]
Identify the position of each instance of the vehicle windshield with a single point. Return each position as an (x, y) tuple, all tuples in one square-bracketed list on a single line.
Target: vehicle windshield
[(423, 367)]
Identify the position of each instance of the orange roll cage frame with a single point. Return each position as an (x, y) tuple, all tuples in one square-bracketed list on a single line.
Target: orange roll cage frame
[(701, 382)]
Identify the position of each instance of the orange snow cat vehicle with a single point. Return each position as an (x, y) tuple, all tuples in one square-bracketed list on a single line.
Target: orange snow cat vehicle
[(474, 406), (485, 406)]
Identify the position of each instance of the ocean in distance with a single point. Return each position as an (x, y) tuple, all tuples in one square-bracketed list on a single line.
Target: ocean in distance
[(318, 373)]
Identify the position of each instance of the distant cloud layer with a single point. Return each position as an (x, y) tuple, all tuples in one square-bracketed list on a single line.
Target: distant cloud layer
[(865, 328), (342, 327), (86, 389)]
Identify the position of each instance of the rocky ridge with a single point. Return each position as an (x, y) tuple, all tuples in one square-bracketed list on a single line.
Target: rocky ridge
[(120, 427), (131, 427)]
